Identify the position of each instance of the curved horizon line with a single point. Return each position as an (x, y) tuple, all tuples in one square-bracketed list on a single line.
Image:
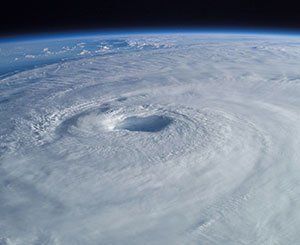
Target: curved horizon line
[(89, 32)]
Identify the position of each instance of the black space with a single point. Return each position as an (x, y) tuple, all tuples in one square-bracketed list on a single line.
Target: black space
[(50, 16)]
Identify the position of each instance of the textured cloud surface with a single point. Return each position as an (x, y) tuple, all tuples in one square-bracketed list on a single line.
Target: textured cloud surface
[(161, 139)]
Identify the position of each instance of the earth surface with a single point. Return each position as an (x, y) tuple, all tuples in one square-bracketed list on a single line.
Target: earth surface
[(189, 138)]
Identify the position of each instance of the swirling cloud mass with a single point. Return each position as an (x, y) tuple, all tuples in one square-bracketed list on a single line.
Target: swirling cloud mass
[(151, 139)]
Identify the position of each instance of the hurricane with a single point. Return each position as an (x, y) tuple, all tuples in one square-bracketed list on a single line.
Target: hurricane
[(176, 138)]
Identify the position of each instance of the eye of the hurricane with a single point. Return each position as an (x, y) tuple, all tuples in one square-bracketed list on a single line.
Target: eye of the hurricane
[(152, 123)]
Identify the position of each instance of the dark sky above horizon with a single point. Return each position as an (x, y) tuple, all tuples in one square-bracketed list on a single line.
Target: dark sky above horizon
[(43, 16)]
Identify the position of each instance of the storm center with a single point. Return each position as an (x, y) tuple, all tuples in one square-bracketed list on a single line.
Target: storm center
[(152, 123)]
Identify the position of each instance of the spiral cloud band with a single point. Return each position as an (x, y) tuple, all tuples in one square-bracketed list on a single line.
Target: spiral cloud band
[(151, 139)]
